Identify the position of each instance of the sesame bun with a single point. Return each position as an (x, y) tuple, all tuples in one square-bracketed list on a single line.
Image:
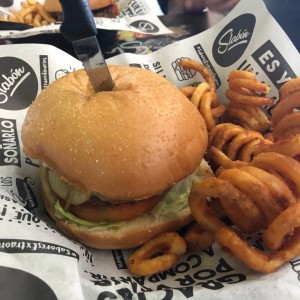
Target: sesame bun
[(126, 144), (54, 5)]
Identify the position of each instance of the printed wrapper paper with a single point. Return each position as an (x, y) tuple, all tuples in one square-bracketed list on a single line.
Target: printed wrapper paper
[(135, 15), (35, 256)]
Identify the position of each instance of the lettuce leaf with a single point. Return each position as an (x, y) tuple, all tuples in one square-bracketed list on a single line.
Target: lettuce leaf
[(175, 200), (60, 213)]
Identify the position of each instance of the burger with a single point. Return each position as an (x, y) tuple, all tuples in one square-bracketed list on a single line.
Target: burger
[(116, 166), (100, 8)]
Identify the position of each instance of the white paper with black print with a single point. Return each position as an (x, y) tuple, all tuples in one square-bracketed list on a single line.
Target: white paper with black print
[(38, 262), (134, 15)]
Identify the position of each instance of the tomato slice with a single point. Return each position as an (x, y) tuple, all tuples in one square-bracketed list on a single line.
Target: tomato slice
[(101, 211)]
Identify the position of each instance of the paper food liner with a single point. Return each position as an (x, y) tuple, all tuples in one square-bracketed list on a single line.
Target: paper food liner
[(37, 261)]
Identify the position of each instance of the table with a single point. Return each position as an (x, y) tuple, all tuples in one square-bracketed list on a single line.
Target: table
[(286, 12)]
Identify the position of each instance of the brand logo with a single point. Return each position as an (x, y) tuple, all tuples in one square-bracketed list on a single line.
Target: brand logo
[(296, 267), (18, 84), (182, 73), (145, 26), (9, 143), (26, 193), (233, 40), (119, 259), (28, 285), (273, 63)]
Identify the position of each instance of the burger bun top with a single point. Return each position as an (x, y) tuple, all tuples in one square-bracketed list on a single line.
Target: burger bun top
[(126, 144)]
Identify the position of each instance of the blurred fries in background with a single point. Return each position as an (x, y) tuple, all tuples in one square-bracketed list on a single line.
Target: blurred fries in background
[(32, 13)]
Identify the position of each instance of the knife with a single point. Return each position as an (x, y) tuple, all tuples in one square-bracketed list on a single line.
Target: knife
[(79, 28)]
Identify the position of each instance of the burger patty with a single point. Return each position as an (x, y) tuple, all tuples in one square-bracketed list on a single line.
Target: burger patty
[(93, 208)]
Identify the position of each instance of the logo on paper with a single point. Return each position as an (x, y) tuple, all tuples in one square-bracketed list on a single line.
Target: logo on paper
[(26, 195), (145, 26), (18, 84), (207, 63), (273, 63), (9, 143), (233, 40), (182, 73), (119, 259), (19, 284)]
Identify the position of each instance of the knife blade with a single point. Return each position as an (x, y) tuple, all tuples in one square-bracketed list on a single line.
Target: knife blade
[(79, 28)]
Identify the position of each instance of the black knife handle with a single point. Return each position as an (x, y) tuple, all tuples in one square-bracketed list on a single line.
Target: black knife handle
[(78, 21)]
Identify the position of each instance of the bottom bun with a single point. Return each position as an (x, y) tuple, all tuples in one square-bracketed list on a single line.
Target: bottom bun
[(130, 234)]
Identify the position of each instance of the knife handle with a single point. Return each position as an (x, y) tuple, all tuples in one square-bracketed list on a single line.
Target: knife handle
[(78, 21)]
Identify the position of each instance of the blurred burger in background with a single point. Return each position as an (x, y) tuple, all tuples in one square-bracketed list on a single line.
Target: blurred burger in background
[(100, 8)]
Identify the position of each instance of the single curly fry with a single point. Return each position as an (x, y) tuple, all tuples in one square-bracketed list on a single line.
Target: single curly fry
[(247, 116), (206, 74), (252, 85), (285, 115), (256, 100), (285, 106), (198, 93), (240, 141), (248, 151), (246, 95), (255, 189), (200, 209), (223, 133), (197, 238), (278, 189), (238, 206), (289, 146), (244, 88), (237, 143), (287, 167), (206, 108), (269, 136), (283, 226), (235, 74), (288, 126), (218, 111), (289, 87), (254, 259), (223, 160), (188, 91), (204, 96), (170, 246)]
